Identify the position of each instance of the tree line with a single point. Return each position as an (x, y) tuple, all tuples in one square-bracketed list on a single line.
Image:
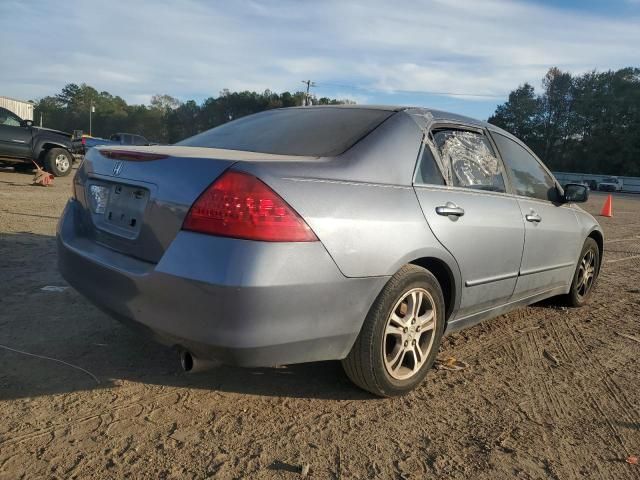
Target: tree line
[(587, 123), (165, 120)]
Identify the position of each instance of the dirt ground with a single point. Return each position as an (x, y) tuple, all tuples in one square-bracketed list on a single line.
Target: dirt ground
[(549, 392)]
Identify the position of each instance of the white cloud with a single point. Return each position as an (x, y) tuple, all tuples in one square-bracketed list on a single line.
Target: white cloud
[(191, 48)]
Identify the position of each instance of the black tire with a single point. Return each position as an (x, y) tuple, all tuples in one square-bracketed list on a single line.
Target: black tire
[(365, 364), (58, 161), (578, 296)]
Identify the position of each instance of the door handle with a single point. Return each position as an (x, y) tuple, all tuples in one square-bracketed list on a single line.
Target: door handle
[(533, 217), (450, 209)]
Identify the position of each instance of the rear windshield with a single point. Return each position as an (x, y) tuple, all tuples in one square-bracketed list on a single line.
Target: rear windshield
[(312, 131)]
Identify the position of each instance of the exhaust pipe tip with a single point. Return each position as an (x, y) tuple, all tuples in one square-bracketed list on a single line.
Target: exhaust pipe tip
[(191, 364), (186, 361)]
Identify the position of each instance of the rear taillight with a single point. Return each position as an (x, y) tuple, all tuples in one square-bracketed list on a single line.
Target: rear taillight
[(240, 205), (84, 141)]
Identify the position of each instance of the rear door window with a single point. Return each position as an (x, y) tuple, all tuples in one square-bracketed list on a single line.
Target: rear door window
[(529, 178), (307, 131), (468, 160)]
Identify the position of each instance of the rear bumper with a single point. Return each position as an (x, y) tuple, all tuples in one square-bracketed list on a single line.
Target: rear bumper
[(241, 302)]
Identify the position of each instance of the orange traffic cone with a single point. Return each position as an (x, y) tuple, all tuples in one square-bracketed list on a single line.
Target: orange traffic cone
[(607, 208)]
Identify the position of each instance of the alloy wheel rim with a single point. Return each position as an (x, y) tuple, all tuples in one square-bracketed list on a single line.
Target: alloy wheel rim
[(586, 273), (62, 162), (409, 334)]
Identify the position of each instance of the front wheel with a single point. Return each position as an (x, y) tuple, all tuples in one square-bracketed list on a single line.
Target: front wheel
[(58, 161), (401, 335), (586, 274)]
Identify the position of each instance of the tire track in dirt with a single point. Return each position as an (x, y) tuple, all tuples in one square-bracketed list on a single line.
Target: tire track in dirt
[(28, 436), (569, 338), (509, 414)]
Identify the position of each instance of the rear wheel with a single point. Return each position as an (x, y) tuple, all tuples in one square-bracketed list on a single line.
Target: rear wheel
[(401, 335), (586, 274), (58, 161)]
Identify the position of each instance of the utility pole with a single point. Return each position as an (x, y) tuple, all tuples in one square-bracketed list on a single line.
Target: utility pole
[(309, 84), (91, 110)]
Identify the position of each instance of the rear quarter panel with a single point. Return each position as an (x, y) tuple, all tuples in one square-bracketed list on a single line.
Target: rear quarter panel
[(362, 205)]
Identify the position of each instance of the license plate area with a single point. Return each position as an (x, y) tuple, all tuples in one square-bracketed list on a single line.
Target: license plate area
[(123, 209)]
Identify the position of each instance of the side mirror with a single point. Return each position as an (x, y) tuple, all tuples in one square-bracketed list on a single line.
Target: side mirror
[(26, 123), (575, 193)]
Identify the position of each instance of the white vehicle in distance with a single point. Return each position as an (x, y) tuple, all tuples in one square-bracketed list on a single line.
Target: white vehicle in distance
[(611, 184)]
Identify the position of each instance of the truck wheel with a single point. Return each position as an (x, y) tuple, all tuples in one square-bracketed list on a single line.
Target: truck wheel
[(58, 161)]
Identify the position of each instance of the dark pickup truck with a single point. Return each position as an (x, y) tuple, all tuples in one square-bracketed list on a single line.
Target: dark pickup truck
[(21, 144)]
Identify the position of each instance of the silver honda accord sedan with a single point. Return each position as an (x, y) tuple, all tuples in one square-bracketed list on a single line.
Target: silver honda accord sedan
[(353, 233)]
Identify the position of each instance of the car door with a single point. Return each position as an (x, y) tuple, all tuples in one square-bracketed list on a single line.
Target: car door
[(471, 213), (15, 140), (552, 242)]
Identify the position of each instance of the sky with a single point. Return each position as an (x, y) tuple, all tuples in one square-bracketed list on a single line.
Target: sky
[(418, 52)]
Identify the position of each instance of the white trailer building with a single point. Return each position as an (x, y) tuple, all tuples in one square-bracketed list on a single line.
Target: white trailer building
[(23, 109)]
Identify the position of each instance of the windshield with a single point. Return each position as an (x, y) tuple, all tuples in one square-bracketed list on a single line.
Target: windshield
[(611, 180), (311, 131)]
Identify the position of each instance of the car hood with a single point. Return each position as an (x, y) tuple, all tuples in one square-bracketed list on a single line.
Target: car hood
[(51, 130)]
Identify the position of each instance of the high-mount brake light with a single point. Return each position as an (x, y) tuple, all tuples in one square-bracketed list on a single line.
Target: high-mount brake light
[(131, 156), (240, 205)]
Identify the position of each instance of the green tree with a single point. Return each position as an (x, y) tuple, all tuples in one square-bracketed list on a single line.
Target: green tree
[(165, 120), (588, 123), (519, 115)]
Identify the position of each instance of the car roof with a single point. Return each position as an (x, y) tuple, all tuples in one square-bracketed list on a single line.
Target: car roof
[(438, 115), (347, 106), (428, 114)]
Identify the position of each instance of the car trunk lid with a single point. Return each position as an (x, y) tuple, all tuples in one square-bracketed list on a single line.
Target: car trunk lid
[(135, 199)]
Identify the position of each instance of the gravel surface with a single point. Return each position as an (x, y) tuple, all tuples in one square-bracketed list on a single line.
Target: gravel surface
[(548, 392)]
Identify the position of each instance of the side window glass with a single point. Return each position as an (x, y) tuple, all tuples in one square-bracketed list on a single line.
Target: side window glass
[(468, 160), (428, 172), (8, 118), (529, 178)]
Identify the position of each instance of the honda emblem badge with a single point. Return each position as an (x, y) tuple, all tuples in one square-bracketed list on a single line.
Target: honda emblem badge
[(117, 168)]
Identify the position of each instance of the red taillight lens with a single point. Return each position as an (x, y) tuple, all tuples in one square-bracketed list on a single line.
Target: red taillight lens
[(241, 206), (84, 141)]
